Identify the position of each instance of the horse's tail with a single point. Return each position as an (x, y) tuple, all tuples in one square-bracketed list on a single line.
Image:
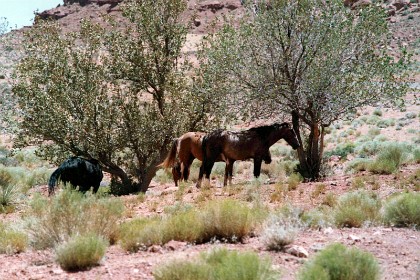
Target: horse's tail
[(170, 159), (53, 180)]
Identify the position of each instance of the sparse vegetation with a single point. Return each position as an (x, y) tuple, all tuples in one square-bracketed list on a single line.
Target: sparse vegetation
[(227, 220), (81, 252), (340, 263), (12, 241), (281, 229), (403, 210), (71, 213), (219, 264), (356, 209)]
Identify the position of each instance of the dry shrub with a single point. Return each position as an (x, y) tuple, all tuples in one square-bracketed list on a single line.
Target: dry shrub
[(403, 210), (227, 220), (338, 262), (12, 241), (219, 264), (356, 209), (72, 213), (81, 252)]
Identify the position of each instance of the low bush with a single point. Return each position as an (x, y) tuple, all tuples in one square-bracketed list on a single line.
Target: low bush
[(9, 198), (219, 264), (294, 180), (72, 213), (389, 159), (317, 218), (341, 150), (81, 252), (227, 220), (12, 241), (281, 228), (403, 210), (336, 262), (357, 208)]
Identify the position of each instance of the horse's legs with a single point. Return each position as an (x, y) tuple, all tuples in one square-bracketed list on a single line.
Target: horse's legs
[(257, 166), (228, 172), (200, 176), (176, 173), (186, 172), (267, 157), (231, 171)]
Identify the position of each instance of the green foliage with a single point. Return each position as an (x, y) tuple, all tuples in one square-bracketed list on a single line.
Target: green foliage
[(112, 101), (219, 264), (342, 150), (9, 198), (355, 209), (280, 60), (377, 112), (389, 160), (317, 218), (403, 210), (72, 213), (336, 262), (12, 241), (226, 220), (81, 252)]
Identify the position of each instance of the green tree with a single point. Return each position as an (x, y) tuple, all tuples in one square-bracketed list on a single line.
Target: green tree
[(118, 93), (313, 61)]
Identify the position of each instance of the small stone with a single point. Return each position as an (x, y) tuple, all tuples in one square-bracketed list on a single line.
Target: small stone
[(354, 238), (175, 245), (155, 249), (297, 251), (328, 230)]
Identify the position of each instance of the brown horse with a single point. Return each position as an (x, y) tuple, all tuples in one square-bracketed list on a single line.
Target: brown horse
[(240, 145), (183, 152)]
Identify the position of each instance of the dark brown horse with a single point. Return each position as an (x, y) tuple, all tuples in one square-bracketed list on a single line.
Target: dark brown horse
[(183, 152), (240, 145)]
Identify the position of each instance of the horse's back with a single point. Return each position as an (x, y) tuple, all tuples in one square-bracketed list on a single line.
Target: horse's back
[(190, 144)]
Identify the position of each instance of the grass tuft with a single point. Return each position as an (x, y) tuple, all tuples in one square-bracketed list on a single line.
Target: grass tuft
[(12, 241), (357, 208), (338, 262), (219, 264), (403, 210), (81, 252)]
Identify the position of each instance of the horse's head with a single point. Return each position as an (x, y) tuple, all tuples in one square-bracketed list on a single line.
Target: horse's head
[(289, 135)]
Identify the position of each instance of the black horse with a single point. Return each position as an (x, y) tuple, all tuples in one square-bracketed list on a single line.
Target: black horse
[(79, 172), (240, 145)]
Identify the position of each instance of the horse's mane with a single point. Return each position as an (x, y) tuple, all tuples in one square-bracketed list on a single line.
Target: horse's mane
[(267, 128)]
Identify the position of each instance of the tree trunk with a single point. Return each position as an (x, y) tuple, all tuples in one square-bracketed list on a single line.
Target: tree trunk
[(310, 152)]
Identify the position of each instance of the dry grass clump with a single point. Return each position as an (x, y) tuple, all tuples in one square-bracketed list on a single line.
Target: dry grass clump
[(294, 180), (12, 241), (227, 220), (357, 208), (341, 263), (72, 213), (219, 264), (281, 228), (9, 198), (403, 210), (81, 252)]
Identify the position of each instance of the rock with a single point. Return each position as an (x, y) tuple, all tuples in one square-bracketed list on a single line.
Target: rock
[(317, 247), (197, 22), (354, 238), (174, 245), (361, 3), (210, 5), (328, 230), (399, 4), (297, 251), (155, 249)]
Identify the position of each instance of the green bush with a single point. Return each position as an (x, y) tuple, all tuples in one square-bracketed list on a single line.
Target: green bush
[(389, 159), (12, 241), (341, 150), (317, 218), (9, 198), (227, 220), (72, 213), (81, 252), (403, 210), (336, 262), (356, 208), (219, 264)]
